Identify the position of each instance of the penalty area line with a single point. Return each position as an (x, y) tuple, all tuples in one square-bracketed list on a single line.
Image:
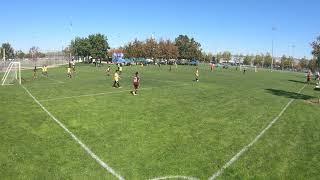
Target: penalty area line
[(74, 137), (245, 148)]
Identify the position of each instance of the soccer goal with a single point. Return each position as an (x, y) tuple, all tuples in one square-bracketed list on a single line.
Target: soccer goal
[(248, 67), (12, 74)]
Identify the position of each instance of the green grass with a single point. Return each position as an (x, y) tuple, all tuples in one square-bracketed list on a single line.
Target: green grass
[(175, 126)]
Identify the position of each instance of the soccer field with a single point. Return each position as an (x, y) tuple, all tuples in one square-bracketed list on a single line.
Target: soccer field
[(228, 125)]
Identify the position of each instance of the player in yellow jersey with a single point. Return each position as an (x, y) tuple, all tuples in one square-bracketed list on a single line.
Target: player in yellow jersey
[(197, 74), (116, 79), (69, 71), (45, 70)]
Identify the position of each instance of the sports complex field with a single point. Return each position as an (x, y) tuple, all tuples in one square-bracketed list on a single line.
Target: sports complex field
[(228, 125)]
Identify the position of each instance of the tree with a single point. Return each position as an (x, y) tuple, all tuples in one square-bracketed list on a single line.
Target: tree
[(172, 49), (247, 60), (151, 48), (286, 62), (267, 60), (283, 61), (67, 52), (9, 51), (135, 49), (188, 48), (80, 47), (95, 45), (20, 54), (167, 50), (316, 50), (98, 45), (312, 65), (207, 57), (303, 63), (290, 62), (226, 56), (34, 52), (218, 57), (316, 47), (258, 60)]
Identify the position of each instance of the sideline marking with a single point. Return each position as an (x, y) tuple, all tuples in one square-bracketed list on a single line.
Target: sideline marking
[(245, 148), (174, 177), (85, 147)]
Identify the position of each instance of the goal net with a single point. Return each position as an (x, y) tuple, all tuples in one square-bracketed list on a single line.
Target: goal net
[(12, 74), (248, 67)]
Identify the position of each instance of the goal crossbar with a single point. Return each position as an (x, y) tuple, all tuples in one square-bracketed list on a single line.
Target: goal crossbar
[(248, 67)]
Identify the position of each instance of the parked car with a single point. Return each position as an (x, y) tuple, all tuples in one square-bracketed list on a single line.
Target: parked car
[(182, 62), (194, 63)]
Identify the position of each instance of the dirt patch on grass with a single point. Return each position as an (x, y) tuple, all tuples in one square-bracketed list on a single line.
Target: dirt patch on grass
[(313, 101)]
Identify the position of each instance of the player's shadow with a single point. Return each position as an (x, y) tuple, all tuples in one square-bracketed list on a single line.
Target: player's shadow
[(291, 95), (295, 81), (302, 82)]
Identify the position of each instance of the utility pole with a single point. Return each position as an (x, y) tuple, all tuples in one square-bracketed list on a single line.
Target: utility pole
[(293, 46)]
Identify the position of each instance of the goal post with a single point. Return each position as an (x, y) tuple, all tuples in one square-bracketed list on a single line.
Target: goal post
[(12, 74), (248, 67)]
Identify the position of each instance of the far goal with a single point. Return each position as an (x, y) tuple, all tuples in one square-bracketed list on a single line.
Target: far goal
[(248, 67), (12, 74)]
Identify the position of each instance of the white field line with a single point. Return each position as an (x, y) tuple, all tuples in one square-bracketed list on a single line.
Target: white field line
[(74, 137), (245, 148), (104, 93), (174, 177), (54, 83)]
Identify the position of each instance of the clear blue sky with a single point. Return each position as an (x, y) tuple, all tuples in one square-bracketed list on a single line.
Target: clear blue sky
[(241, 26)]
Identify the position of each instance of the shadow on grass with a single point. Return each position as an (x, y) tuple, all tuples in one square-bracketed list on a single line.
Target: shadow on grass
[(291, 95), (302, 82)]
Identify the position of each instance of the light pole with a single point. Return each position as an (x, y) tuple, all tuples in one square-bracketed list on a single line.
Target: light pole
[(293, 46), (273, 29)]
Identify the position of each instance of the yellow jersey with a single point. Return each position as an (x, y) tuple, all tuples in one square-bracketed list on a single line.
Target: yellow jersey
[(116, 77), (197, 72)]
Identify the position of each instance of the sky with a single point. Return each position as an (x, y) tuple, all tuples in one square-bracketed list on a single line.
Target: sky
[(239, 26)]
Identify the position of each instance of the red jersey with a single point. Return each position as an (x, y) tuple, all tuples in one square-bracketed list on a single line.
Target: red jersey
[(136, 80)]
